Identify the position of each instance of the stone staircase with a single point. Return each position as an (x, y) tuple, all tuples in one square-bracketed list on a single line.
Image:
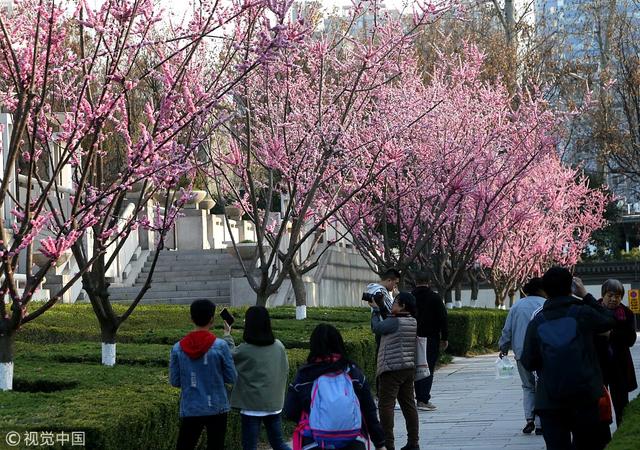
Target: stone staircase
[(183, 276)]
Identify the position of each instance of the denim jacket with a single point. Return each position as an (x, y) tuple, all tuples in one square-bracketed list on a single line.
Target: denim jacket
[(202, 380)]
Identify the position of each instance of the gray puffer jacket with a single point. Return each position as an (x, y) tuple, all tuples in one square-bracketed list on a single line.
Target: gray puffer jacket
[(398, 344)]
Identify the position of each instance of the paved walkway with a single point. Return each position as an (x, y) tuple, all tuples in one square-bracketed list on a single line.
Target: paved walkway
[(476, 411)]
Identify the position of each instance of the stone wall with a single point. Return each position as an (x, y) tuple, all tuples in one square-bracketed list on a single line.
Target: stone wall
[(339, 280)]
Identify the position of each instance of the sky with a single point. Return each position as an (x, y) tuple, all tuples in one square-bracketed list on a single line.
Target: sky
[(397, 4), (393, 4), (179, 6)]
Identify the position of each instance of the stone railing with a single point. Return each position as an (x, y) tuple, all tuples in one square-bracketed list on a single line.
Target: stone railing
[(129, 251)]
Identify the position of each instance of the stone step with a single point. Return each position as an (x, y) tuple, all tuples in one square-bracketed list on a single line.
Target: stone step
[(181, 285), (193, 266), (199, 269), (128, 295), (221, 300), (184, 277), (204, 257), (191, 253), (203, 254), (152, 294)]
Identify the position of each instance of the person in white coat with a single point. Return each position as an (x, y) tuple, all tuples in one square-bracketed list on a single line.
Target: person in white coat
[(513, 333)]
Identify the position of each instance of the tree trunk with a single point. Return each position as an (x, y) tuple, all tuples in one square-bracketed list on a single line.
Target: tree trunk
[(510, 21), (300, 292), (6, 360), (475, 290), (108, 331), (448, 301), (512, 295), (458, 295), (500, 295), (261, 298)]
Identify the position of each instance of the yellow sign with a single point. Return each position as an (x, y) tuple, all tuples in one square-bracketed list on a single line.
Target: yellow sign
[(634, 300)]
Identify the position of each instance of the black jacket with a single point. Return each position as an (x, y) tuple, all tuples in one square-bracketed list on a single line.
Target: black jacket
[(298, 397), (432, 314), (614, 355), (592, 319)]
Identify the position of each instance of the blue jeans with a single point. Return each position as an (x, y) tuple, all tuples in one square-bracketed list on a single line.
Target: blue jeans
[(528, 393), (251, 431)]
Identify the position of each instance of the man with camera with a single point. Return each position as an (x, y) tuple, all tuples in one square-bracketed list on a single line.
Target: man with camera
[(381, 293)]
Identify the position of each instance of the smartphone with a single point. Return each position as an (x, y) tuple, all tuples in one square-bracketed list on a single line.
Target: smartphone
[(227, 317)]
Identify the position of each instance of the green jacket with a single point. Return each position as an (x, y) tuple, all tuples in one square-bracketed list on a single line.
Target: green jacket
[(262, 376)]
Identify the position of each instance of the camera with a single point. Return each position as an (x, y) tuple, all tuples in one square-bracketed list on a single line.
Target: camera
[(375, 298), (378, 299)]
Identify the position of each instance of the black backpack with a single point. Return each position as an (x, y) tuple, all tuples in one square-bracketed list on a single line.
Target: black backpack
[(564, 357)]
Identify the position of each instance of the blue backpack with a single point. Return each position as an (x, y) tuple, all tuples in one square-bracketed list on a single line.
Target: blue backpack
[(334, 419), (564, 357)]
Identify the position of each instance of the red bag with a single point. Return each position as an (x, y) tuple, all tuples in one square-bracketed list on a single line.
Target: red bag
[(604, 406)]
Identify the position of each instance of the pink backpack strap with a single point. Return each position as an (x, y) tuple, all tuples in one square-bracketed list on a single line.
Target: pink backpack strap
[(298, 433)]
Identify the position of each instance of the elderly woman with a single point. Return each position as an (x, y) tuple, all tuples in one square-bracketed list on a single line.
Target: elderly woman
[(613, 350)]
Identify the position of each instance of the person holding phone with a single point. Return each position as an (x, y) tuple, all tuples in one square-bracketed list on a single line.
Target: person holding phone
[(262, 366), (200, 365)]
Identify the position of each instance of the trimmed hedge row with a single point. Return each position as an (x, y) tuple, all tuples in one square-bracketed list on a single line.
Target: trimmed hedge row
[(469, 329), (132, 405), (59, 360), (628, 435), (473, 329)]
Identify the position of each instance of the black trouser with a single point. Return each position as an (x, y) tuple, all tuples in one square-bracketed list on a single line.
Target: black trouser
[(191, 428), (378, 340), (620, 399), (423, 387), (572, 429)]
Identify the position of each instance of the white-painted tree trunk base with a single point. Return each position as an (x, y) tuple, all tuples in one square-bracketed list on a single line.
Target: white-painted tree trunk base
[(301, 312), (6, 376), (108, 354), (449, 305), (458, 304), (473, 303)]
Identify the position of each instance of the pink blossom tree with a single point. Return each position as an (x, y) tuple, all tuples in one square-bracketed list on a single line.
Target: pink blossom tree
[(101, 102), (560, 212), (343, 104), (454, 189)]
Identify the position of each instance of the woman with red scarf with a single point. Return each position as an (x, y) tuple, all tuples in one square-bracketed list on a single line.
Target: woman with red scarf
[(618, 372)]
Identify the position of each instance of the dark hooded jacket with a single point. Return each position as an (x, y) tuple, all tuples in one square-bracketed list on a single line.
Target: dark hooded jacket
[(592, 319)]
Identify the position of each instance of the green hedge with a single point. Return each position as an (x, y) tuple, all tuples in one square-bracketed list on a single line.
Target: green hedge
[(132, 405), (628, 435), (475, 329), (120, 407)]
